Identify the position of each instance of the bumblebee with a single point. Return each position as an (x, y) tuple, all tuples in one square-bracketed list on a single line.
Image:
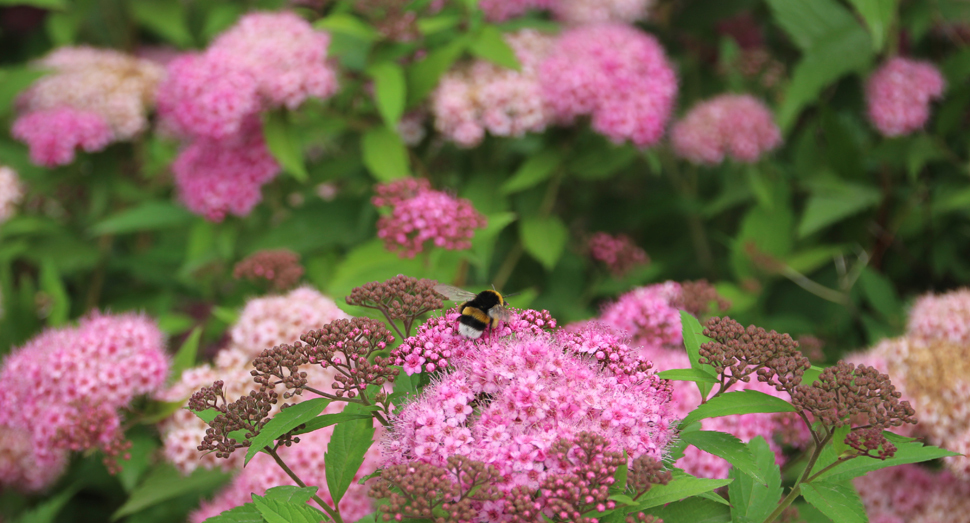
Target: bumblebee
[(478, 312)]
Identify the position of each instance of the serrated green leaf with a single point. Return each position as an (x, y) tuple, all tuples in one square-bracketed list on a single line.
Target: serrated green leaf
[(838, 501), (247, 513), (544, 239), (165, 483), (345, 452), (695, 509), (327, 420), (423, 75), (491, 45), (349, 25), (149, 216), (46, 511), (538, 168), (165, 18), (158, 410), (53, 286), (185, 357), (285, 421), (390, 91), (385, 155), (751, 500), (291, 493), (832, 201), (728, 447), (880, 293), (738, 402), (283, 142), (878, 15), (810, 23), (693, 334), (679, 488), (695, 375), (907, 451), (277, 511)]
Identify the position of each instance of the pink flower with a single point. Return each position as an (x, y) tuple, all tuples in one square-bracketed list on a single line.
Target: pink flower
[(899, 95), (618, 253), (913, 494), (574, 12), (215, 177), (615, 73), (63, 389), (738, 126), (420, 214), (53, 134), (648, 314), (942, 316), (11, 192)]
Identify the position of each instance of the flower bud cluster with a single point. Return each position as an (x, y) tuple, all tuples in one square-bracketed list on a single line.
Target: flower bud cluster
[(400, 298), (736, 353), (280, 268), (351, 347), (618, 253), (867, 441), (247, 415)]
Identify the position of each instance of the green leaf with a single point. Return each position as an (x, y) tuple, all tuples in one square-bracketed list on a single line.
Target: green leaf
[(491, 45), (679, 488), (283, 142), (435, 24), (839, 501), (51, 284), (149, 216), (880, 293), (695, 510), (834, 200), (693, 334), (811, 375), (878, 15), (156, 411), (277, 511), (46, 511), (538, 168), (810, 23), (695, 375), (290, 493), (739, 402), (385, 155), (753, 501), (13, 81), (165, 18), (544, 239), (185, 357), (907, 451), (390, 90), (423, 75), (346, 450), (349, 25), (43, 4), (327, 420), (165, 483), (922, 150), (285, 421), (247, 513), (728, 447), (62, 27)]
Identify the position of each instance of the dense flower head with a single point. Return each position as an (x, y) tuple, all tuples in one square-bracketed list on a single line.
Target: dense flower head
[(11, 192), (738, 126), (524, 389), (618, 253), (913, 494), (573, 12), (617, 75), (117, 87), (899, 94), (62, 390), (53, 134), (649, 314), (280, 268), (420, 215), (247, 69), (216, 177), (482, 96), (941, 316)]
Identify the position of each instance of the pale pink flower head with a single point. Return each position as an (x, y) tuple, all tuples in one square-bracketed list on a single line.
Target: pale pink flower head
[(420, 215), (738, 126), (913, 494), (618, 253), (615, 73), (899, 94), (648, 314), (942, 316), (11, 192), (54, 134), (64, 388), (216, 177), (572, 12)]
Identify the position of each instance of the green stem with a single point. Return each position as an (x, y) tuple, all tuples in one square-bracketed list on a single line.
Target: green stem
[(796, 488), (334, 513), (545, 209)]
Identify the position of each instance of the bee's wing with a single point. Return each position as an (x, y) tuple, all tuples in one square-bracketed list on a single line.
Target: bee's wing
[(499, 312), (454, 293)]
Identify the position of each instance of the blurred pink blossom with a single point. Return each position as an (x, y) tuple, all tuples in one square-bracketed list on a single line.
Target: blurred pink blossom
[(54, 134), (573, 12), (732, 125), (899, 94), (913, 494), (941, 316), (618, 253), (649, 315), (11, 192)]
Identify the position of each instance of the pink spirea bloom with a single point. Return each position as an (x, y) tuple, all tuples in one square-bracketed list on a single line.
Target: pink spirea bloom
[(11, 192), (531, 380), (306, 459), (54, 134), (216, 177), (63, 388), (618, 253), (481, 96), (738, 126), (913, 494), (615, 73), (941, 316), (899, 94), (649, 315), (247, 69), (420, 215), (573, 12)]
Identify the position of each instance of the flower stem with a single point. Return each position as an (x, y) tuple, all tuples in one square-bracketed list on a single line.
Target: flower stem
[(334, 513)]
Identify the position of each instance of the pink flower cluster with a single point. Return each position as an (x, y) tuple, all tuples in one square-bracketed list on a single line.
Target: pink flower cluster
[(530, 381), (913, 494), (942, 316), (92, 98), (215, 97), (617, 75), (62, 391), (618, 253), (11, 192), (420, 214), (649, 315), (573, 12), (482, 96), (738, 126), (899, 95)]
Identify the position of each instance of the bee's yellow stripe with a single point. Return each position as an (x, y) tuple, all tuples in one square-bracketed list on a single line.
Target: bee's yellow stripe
[(477, 314)]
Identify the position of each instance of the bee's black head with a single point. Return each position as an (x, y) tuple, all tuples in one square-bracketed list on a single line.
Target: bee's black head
[(488, 299)]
